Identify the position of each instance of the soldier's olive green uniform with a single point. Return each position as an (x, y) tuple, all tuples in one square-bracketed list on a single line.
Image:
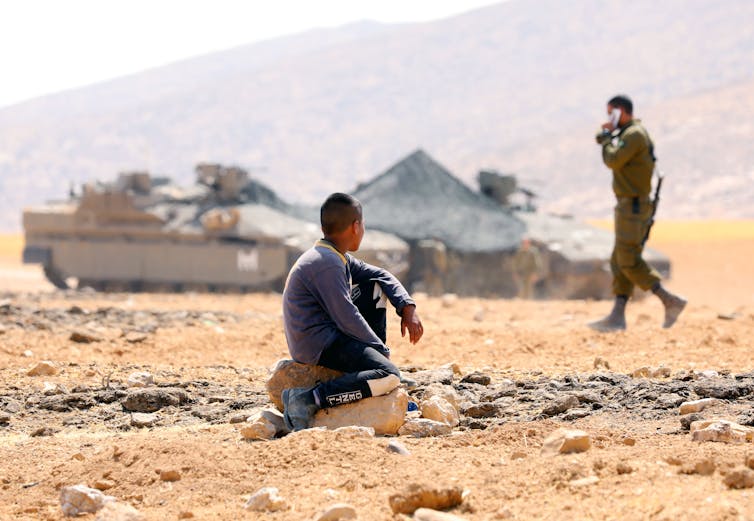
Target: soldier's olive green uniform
[(527, 263), (630, 158)]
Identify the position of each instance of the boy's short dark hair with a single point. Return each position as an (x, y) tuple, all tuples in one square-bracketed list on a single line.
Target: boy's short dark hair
[(622, 102), (338, 212)]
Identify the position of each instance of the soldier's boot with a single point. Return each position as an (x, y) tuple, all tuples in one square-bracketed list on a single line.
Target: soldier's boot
[(674, 304), (300, 408), (616, 320)]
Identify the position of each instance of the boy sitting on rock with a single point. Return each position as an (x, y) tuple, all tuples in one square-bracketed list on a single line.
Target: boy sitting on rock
[(334, 314)]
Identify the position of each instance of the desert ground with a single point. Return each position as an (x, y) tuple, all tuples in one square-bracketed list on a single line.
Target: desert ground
[(70, 428)]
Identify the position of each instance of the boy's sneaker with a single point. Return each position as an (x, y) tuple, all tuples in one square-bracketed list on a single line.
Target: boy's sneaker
[(300, 408), (409, 383)]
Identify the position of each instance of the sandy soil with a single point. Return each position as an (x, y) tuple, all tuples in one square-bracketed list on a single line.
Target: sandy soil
[(228, 352)]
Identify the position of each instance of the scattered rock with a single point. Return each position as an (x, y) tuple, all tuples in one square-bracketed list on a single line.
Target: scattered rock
[(104, 484), (688, 419), (82, 336), (4, 417), (423, 428), (185, 514), (479, 315), (385, 414), (628, 440), (266, 499), (140, 379), (79, 499), (518, 454), (135, 337), (560, 405), (28, 353), (209, 413), (445, 392), (722, 389), (623, 468), (565, 441), (140, 419), (584, 482), (476, 378), (264, 425), (601, 363), (575, 414), (240, 417), (721, 431), (43, 368), (337, 512), (443, 375), (452, 366), (427, 514), (439, 409), (153, 399), (482, 410), (52, 389), (705, 467), (697, 405), (648, 372), (739, 478), (170, 475), (287, 374), (119, 512), (417, 496), (42, 431), (397, 447)]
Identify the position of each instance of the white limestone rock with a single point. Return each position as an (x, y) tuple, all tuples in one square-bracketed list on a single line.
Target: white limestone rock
[(266, 499), (724, 431), (140, 379), (385, 414), (443, 391), (697, 405), (565, 441), (264, 425), (423, 428), (439, 409), (80, 499)]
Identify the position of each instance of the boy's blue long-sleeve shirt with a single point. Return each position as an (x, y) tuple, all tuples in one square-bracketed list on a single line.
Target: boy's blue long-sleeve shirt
[(317, 302)]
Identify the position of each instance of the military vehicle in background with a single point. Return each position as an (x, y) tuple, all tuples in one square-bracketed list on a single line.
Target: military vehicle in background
[(226, 233)]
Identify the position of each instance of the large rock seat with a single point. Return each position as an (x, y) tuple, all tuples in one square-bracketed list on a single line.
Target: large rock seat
[(385, 414)]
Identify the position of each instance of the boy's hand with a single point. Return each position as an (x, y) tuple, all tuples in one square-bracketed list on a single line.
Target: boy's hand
[(410, 320)]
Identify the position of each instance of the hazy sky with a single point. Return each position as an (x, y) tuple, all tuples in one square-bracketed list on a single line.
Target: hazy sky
[(51, 45)]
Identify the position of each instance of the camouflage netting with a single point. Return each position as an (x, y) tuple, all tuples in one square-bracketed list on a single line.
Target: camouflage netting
[(419, 199)]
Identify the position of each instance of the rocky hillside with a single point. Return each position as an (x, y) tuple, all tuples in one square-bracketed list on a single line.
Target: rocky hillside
[(518, 86)]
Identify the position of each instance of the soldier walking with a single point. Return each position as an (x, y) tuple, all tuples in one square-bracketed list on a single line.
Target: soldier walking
[(629, 152)]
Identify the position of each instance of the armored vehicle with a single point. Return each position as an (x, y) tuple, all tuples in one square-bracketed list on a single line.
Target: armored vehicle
[(226, 233)]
